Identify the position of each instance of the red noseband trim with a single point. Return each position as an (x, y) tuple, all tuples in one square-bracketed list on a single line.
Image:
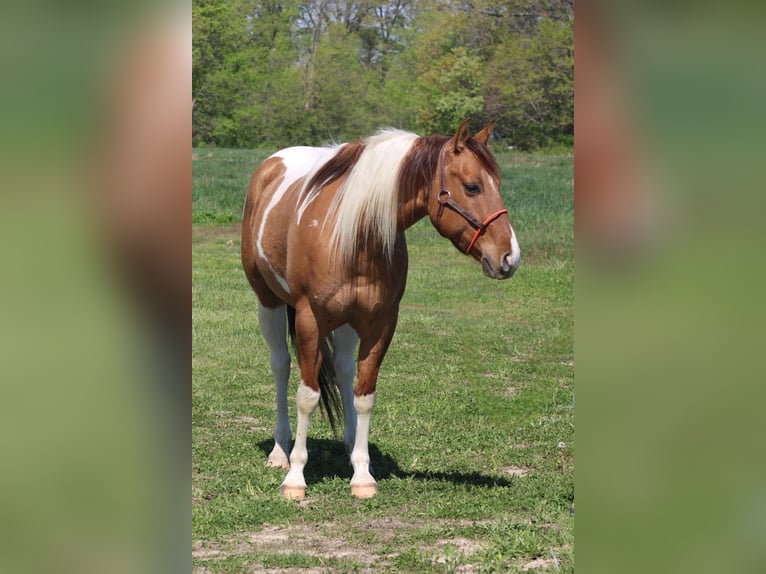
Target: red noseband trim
[(483, 227)]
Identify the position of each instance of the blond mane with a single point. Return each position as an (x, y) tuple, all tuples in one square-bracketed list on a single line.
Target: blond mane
[(365, 208)]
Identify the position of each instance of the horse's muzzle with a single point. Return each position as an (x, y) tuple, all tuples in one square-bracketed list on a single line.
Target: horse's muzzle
[(507, 267)]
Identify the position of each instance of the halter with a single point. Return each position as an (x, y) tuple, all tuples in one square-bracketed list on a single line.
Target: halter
[(445, 199)]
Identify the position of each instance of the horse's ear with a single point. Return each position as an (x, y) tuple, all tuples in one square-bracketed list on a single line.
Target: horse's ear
[(461, 136), (483, 135)]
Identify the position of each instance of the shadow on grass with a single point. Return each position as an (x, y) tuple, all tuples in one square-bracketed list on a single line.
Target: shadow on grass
[(328, 459)]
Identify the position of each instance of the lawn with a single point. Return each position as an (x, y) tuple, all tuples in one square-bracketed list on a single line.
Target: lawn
[(472, 437)]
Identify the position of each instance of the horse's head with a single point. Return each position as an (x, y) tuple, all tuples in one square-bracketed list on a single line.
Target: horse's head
[(466, 206)]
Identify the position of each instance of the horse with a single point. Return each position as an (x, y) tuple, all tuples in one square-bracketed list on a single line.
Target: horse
[(323, 247)]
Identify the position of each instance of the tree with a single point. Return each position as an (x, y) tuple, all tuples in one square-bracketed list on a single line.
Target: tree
[(286, 72), (344, 102), (453, 89), (215, 37), (530, 86)]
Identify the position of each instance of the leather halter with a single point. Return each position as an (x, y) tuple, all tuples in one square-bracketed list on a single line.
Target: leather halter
[(445, 200)]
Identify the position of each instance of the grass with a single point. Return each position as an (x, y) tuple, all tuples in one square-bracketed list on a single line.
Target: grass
[(474, 399), (220, 178)]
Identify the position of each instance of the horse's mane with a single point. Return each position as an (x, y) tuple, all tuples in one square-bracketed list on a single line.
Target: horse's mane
[(365, 208)]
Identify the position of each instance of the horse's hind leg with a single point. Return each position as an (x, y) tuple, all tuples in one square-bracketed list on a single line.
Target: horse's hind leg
[(307, 397), (346, 340), (273, 324)]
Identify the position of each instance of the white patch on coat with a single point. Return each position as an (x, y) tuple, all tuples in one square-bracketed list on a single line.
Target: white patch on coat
[(491, 180), (515, 258), (321, 156), (298, 161)]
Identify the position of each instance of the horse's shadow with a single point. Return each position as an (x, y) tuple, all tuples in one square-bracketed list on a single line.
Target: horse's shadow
[(328, 459)]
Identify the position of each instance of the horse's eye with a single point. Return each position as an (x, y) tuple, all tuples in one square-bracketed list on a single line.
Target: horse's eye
[(472, 188)]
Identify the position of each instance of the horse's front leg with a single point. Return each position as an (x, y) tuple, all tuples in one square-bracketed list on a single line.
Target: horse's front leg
[(307, 398), (373, 346)]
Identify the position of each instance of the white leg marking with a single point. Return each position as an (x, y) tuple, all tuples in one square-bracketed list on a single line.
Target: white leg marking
[(294, 485), (273, 324), (363, 485), (346, 340)]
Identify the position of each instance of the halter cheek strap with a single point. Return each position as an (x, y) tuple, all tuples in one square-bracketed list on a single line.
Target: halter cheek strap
[(445, 200)]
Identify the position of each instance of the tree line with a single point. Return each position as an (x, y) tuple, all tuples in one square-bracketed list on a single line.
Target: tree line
[(288, 72)]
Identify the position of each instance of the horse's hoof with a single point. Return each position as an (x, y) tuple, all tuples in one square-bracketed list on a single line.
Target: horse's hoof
[(293, 492), (283, 464), (364, 490)]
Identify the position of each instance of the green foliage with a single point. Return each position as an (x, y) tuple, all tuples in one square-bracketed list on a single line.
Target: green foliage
[(343, 110), (289, 72), (531, 86), (454, 91)]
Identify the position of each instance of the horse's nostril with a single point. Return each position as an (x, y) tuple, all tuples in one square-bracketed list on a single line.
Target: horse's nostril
[(508, 265), (506, 262)]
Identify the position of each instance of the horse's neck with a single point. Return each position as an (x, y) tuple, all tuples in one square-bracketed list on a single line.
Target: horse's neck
[(413, 198), (412, 209)]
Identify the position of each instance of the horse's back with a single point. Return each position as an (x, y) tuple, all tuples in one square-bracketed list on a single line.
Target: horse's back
[(269, 215), (279, 173)]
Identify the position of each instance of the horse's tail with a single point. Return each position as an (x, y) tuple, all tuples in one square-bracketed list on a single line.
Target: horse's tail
[(330, 402)]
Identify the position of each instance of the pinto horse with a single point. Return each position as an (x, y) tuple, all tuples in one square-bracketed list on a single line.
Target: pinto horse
[(323, 247)]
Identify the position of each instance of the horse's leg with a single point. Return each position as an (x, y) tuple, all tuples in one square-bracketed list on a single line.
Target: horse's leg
[(273, 324), (373, 347), (307, 397), (346, 340)]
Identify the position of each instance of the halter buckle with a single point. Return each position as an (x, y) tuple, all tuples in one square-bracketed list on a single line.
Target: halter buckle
[(443, 198)]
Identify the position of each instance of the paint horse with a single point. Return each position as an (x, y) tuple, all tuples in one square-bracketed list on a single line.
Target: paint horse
[(323, 247)]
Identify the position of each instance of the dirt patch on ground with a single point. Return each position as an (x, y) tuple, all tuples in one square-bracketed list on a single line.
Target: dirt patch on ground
[(225, 418), (292, 539), (462, 546), (261, 569), (253, 424), (386, 529), (541, 562), (329, 541), (538, 563), (517, 470)]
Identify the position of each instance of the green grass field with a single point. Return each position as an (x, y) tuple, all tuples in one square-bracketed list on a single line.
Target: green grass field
[(472, 437)]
